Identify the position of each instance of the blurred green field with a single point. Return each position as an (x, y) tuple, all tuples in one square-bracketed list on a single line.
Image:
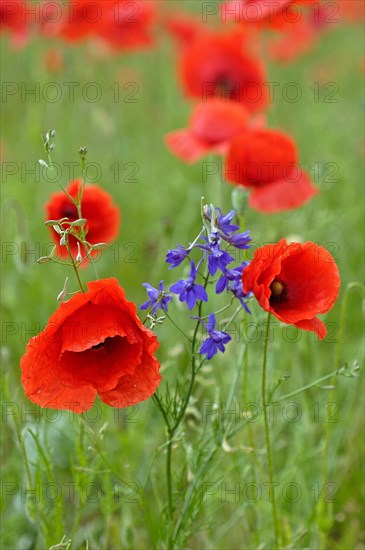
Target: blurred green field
[(161, 209)]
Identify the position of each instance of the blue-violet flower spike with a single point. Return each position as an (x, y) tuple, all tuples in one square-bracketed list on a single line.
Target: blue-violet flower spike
[(216, 339), (177, 255), (189, 291), (158, 298)]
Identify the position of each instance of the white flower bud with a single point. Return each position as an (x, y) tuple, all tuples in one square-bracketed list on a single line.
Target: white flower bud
[(79, 256), (44, 260), (57, 229), (79, 222), (99, 246), (63, 292)]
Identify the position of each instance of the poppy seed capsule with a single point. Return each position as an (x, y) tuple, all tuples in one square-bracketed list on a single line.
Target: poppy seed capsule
[(279, 291), (276, 288)]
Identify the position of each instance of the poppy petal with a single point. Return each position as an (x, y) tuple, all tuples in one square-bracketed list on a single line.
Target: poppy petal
[(284, 194), (132, 389), (314, 325), (185, 145), (43, 386)]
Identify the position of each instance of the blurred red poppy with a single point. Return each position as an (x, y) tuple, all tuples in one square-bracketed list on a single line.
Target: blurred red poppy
[(301, 35), (102, 215), (81, 19), (215, 65), (183, 27), (267, 162), (54, 60), (94, 343), (126, 24), (212, 127), (351, 11), (294, 282), (275, 14), (120, 23), (13, 18), (294, 42)]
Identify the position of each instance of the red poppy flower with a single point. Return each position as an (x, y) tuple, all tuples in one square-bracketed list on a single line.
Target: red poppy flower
[(301, 36), (294, 42), (103, 217), (126, 24), (215, 65), (276, 14), (212, 127), (13, 18), (183, 27), (294, 282), (81, 19), (267, 162), (94, 343)]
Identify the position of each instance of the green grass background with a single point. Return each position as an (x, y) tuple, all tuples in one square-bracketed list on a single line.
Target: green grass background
[(160, 210)]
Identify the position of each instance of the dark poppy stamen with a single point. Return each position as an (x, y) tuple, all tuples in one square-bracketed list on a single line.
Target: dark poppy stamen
[(104, 345), (98, 346), (69, 212), (225, 86), (279, 292)]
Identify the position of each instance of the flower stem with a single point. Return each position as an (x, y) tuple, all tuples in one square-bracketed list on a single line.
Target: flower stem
[(304, 388), (169, 475), (267, 436), (74, 264), (172, 429), (177, 326)]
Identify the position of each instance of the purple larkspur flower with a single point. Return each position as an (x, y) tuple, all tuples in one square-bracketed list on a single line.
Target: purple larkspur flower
[(224, 222), (158, 298), (227, 277), (237, 291), (217, 257), (239, 240), (220, 221), (188, 290), (176, 256), (216, 339)]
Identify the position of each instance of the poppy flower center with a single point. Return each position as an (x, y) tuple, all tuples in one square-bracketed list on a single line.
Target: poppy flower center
[(279, 292), (225, 86), (69, 211), (102, 345)]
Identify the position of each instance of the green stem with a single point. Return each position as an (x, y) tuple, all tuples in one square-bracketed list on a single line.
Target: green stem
[(169, 475), (172, 430), (222, 309), (50, 164), (73, 263), (190, 492), (157, 400), (58, 508), (230, 321), (304, 388), (267, 436), (177, 326), (250, 429)]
